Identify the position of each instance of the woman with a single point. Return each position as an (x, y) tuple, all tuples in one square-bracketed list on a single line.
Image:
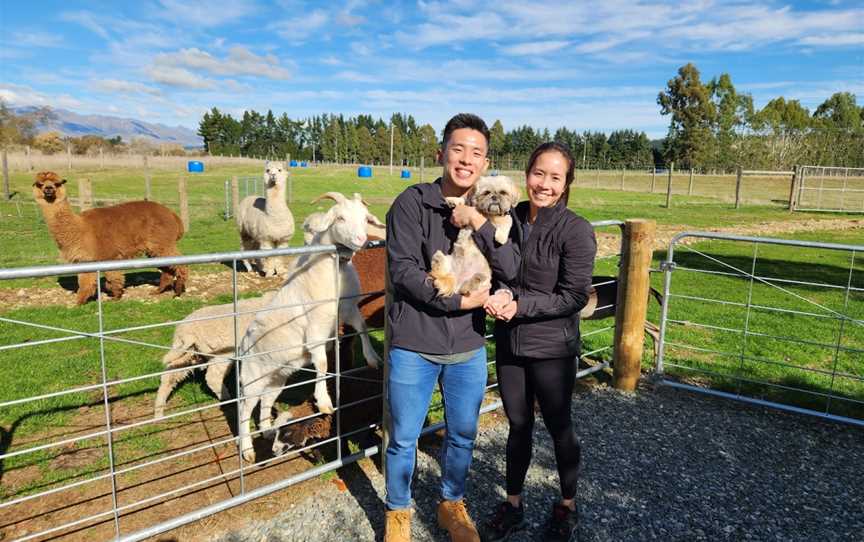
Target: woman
[(545, 277)]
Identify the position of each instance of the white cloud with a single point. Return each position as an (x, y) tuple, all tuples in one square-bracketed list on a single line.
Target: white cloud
[(124, 87), (834, 40), (87, 20), (35, 39), (535, 47), (298, 29), (24, 95), (331, 61), (177, 77), (240, 61), (204, 14)]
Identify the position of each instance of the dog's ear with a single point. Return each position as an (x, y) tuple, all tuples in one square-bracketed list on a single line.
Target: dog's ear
[(470, 194)]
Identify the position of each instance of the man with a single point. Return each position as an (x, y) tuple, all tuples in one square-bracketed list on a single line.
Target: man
[(434, 338)]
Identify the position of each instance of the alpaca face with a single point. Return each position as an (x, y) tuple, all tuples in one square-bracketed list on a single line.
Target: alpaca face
[(275, 173), (49, 187)]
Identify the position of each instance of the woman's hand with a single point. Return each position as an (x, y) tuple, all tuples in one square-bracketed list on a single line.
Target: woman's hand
[(508, 311), (465, 215)]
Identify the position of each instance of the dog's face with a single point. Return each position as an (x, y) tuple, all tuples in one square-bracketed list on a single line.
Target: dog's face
[(49, 187), (273, 173), (494, 196)]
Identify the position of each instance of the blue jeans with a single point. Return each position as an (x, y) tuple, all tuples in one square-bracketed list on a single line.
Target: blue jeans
[(409, 388)]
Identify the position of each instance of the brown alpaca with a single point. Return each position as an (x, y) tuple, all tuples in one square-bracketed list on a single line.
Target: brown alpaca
[(110, 233)]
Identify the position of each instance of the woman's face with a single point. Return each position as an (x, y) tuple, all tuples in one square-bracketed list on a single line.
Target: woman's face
[(546, 179)]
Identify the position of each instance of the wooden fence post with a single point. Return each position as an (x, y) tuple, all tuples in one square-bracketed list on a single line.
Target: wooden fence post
[(147, 180), (792, 187), (669, 185), (622, 179), (739, 175), (653, 178), (101, 159), (7, 193), (85, 194), (184, 203), (597, 178), (29, 159), (690, 186), (235, 194), (632, 302), (69, 156)]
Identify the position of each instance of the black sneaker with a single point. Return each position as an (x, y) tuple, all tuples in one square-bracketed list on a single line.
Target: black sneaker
[(562, 524), (506, 520)]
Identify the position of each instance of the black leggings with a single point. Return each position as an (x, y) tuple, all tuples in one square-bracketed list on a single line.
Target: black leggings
[(550, 381)]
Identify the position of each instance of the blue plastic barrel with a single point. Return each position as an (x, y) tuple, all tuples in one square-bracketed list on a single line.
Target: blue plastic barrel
[(195, 166), (293, 163), (364, 171), (406, 174), (304, 164)]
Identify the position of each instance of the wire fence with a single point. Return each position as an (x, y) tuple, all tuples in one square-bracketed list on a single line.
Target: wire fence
[(832, 189), (83, 453), (769, 321)]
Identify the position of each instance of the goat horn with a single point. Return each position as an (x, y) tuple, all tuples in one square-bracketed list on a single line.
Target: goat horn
[(335, 196)]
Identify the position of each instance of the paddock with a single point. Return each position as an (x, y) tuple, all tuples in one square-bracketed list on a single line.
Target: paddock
[(91, 476)]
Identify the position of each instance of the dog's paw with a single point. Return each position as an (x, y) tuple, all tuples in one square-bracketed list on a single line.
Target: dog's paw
[(453, 201)]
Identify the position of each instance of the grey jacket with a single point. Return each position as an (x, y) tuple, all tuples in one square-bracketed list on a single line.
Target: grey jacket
[(418, 225)]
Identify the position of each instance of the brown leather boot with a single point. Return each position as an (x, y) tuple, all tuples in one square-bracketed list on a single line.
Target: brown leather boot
[(453, 516), (398, 526)]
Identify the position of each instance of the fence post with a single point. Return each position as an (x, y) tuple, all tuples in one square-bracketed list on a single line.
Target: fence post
[(690, 186), (632, 302), (235, 194), (669, 185), (622, 179), (85, 194), (184, 203), (101, 159), (6, 189), (597, 178), (29, 159), (792, 187), (68, 156), (290, 179), (147, 179), (422, 169), (576, 177), (653, 178), (739, 175)]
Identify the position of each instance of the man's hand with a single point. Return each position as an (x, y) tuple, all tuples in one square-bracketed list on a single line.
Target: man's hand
[(464, 215), (474, 299)]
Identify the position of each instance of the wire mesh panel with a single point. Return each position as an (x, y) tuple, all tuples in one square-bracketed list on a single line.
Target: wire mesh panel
[(834, 189), (92, 447), (768, 320)]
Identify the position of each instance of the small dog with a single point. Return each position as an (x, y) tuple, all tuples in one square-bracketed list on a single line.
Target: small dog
[(466, 270)]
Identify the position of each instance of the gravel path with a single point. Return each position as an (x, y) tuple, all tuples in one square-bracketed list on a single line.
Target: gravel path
[(658, 465)]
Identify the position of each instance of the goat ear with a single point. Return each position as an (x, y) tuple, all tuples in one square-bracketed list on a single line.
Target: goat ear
[(372, 219)]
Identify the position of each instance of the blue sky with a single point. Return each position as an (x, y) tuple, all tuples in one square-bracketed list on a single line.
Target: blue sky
[(584, 65)]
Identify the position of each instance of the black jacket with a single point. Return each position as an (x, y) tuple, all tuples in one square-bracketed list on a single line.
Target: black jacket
[(418, 225), (550, 276)]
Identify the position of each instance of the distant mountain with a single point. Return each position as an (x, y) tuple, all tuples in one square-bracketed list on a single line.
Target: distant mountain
[(72, 124)]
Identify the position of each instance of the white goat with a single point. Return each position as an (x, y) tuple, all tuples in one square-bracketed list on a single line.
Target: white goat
[(281, 341), (267, 222)]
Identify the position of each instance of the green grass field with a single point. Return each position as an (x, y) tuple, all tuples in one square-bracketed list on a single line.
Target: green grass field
[(706, 345)]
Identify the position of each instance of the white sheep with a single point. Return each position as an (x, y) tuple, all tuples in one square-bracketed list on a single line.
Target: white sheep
[(279, 342), (206, 335), (267, 222)]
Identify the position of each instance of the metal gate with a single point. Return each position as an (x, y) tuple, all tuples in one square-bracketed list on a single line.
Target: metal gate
[(832, 189), (773, 322)]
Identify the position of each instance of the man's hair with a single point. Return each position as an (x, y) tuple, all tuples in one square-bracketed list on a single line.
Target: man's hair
[(465, 120)]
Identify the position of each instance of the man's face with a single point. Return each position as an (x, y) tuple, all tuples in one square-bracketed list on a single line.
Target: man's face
[(464, 158)]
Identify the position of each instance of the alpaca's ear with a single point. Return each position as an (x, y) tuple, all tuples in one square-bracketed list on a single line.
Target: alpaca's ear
[(62, 181), (37, 184)]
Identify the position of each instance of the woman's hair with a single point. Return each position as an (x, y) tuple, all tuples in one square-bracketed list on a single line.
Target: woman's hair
[(550, 146)]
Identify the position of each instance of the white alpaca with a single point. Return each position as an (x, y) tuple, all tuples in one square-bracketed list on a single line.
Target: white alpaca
[(296, 333), (267, 222)]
